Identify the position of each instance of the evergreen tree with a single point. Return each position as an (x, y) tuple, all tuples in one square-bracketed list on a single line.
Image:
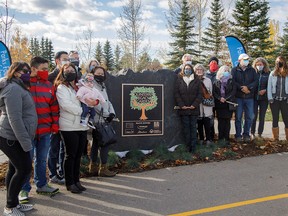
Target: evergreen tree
[(35, 47), (213, 36), (181, 31), (143, 61), (117, 54), (251, 26), (98, 52), (108, 56), (283, 47)]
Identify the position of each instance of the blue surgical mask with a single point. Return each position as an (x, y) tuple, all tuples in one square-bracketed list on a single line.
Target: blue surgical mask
[(245, 62), (187, 72), (226, 74), (91, 67)]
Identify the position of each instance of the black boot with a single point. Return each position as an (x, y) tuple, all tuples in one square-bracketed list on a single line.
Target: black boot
[(82, 188), (73, 189)]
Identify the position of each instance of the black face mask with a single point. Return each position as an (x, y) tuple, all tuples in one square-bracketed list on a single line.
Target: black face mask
[(98, 78), (280, 64), (69, 77)]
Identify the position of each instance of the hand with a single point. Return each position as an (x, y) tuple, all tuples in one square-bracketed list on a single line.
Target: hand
[(91, 102), (222, 100), (244, 89), (192, 107), (262, 92), (184, 107), (110, 117)]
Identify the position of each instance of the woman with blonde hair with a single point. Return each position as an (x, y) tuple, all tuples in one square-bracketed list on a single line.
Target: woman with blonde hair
[(206, 112), (261, 101), (277, 92), (224, 91)]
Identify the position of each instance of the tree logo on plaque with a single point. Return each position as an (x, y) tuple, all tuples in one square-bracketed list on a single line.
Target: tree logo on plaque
[(143, 98)]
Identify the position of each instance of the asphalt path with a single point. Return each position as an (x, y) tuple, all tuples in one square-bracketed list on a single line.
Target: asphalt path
[(179, 191)]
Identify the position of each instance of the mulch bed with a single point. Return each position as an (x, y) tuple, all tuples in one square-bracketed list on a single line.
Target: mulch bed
[(234, 151)]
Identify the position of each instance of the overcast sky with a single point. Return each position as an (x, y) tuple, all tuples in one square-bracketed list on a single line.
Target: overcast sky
[(61, 20)]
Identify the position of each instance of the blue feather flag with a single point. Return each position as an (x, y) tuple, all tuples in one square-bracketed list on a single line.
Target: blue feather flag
[(235, 47), (5, 59)]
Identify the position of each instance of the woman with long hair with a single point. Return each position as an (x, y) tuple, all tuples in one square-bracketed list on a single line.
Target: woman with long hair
[(261, 101), (277, 92), (18, 123)]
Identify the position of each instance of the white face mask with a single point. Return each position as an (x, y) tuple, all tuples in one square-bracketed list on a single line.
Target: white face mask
[(260, 67), (64, 62)]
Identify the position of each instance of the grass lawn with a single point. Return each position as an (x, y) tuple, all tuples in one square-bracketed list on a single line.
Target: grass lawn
[(268, 116)]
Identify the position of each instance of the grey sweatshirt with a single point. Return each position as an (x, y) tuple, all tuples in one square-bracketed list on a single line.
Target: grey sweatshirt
[(18, 120)]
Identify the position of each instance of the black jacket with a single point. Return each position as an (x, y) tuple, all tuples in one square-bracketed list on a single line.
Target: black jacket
[(248, 78), (262, 84), (188, 95), (222, 109)]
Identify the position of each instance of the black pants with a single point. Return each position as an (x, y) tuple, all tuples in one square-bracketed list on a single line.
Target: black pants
[(19, 169), (224, 127), (262, 105), (74, 142), (95, 147), (206, 123), (276, 107)]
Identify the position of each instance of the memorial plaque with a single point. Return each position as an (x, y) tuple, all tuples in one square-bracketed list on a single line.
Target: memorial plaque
[(142, 110)]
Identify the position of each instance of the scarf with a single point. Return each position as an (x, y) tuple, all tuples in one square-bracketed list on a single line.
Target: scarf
[(223, 81)]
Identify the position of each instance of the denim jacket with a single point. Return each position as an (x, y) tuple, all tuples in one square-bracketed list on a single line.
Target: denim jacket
[(271, 89)]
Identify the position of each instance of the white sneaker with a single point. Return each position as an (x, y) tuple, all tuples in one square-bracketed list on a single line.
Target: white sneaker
[(12, 212), (25, 207), (56, 180)]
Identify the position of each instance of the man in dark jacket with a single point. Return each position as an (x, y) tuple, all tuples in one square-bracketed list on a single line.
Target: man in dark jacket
[(245, 78)]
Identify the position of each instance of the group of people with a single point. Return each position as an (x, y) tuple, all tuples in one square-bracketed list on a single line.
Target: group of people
[(46, 116), (246, 90)]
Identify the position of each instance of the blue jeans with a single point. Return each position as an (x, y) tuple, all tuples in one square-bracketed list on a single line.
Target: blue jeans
[(56, 156), (87, 110), (189, 124), (246, 106)]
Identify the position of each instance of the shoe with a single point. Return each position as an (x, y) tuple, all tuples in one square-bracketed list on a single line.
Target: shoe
[(201, 142), (83, 123), (25, 207), (23, 197), (73, 189), (12, 212), (209, 143), (90, 124), (238, 139), (105, 172), (246, 139), (47, 190), (82, 188), (56, 180)]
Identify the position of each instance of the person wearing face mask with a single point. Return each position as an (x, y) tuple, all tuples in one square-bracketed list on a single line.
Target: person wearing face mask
[(224, 90), (18, 124), (245, 79), (260, 100), (206, 112), (47, 108), (108, 113), (75, 59), (186, 59), (188, 96), (277, 93), (73, 133), (56, 151)]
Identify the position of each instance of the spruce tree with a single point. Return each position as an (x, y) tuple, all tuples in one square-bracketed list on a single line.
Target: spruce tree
[(213, 35), (117, 54), (251, 26), (108, 56), (143, 61), (181, 31), (98, 52), (283, 47)]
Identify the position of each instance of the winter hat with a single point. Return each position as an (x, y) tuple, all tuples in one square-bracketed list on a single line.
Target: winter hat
[(213, 59)]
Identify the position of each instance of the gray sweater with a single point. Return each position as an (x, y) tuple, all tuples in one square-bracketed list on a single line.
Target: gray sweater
[(18, 120)]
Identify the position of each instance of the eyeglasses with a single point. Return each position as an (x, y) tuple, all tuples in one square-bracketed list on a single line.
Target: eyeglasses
[(26, 71)]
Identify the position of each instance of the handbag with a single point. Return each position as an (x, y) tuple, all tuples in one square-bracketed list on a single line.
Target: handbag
[(208, 99), (105, 132)]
